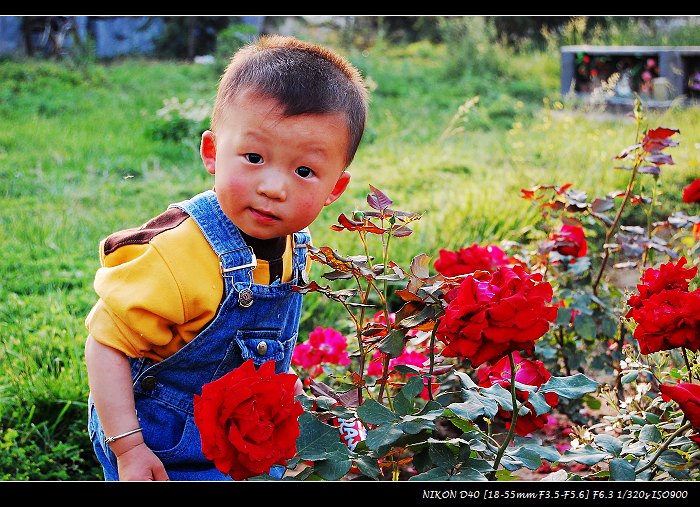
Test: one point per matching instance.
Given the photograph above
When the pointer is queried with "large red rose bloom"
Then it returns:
(489, 315)
(248, 420)
(668, 320)
(667, 315)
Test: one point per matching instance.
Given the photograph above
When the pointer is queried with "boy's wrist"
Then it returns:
(126, 444)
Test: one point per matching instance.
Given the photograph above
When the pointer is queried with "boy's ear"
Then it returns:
(207, 150)
(339, 188)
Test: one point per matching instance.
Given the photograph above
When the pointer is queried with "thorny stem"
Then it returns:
(687, 364)
(560, 339)
(384, 296)
(645, 257)
(663, 447)
(358, 330)
(513, 420)
(611, 230)
(432, 358)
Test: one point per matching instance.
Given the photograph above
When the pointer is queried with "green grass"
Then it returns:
(76, 163)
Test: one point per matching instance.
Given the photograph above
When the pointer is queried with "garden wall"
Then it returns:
(659, 74)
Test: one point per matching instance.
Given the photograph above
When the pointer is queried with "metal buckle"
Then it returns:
(253, 264)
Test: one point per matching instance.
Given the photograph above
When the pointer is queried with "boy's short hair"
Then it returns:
(305, 78)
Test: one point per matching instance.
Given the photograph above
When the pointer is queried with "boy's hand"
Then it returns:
(140, 464)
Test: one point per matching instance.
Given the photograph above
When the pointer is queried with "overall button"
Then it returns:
(261, 348)
(149, 383)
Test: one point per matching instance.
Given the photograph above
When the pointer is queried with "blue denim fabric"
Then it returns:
(164, 391)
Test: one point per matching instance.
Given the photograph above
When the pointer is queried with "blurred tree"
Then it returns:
(189, 36)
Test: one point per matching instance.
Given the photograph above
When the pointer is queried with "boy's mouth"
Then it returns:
(263, 214)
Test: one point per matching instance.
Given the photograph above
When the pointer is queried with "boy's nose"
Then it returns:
(272, 187)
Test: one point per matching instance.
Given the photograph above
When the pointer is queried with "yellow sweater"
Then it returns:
(160, 284)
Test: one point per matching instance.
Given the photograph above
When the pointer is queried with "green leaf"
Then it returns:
(474, 406)
(673, 459)
(549, 453)
(609, 327)
(465, 380)
(415, 426)
(527, 457)
(650, 433)
(587, 455)
(479, 465)
(622, 470)
(591, 402)
(572, 387)
(500, 395)
(428, 312)
(316, 440)
(630, 376)
(609, 443)
(332, 469)
(405, 369)
(563, 316)
(403, 402)
(469, 474)
(383, 435)
(652, 418)
(442, 455)
(368, 466)
(434, 474)
(505, 475)
(392, 344)
(373, 412)
(539, 403)
(585, 326)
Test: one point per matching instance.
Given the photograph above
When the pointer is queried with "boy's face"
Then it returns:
(273, 174)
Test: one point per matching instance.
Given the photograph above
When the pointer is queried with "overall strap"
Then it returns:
(301, 240)
(237, 259)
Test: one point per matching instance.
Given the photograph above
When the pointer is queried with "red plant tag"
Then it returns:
(352, 432)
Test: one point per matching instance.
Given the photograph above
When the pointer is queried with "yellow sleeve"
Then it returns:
(155, 297)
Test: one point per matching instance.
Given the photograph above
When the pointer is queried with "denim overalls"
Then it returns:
(253, 321)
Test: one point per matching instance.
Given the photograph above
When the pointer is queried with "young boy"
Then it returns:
(207, 284)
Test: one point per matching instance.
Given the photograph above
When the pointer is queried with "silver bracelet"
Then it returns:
(109, 440)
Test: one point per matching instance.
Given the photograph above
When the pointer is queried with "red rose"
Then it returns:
(568, 240)
(691, 193)
(667, 315)
(467, 260)
(688, 398)
(248, 420)
(489, 315)
(669, 276)
(668, 320)
(528, 372)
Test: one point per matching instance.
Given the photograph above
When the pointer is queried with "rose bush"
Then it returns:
(453, 372)
(248, 420)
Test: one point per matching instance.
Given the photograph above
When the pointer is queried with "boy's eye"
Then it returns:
(304, 171)
(253, 158)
